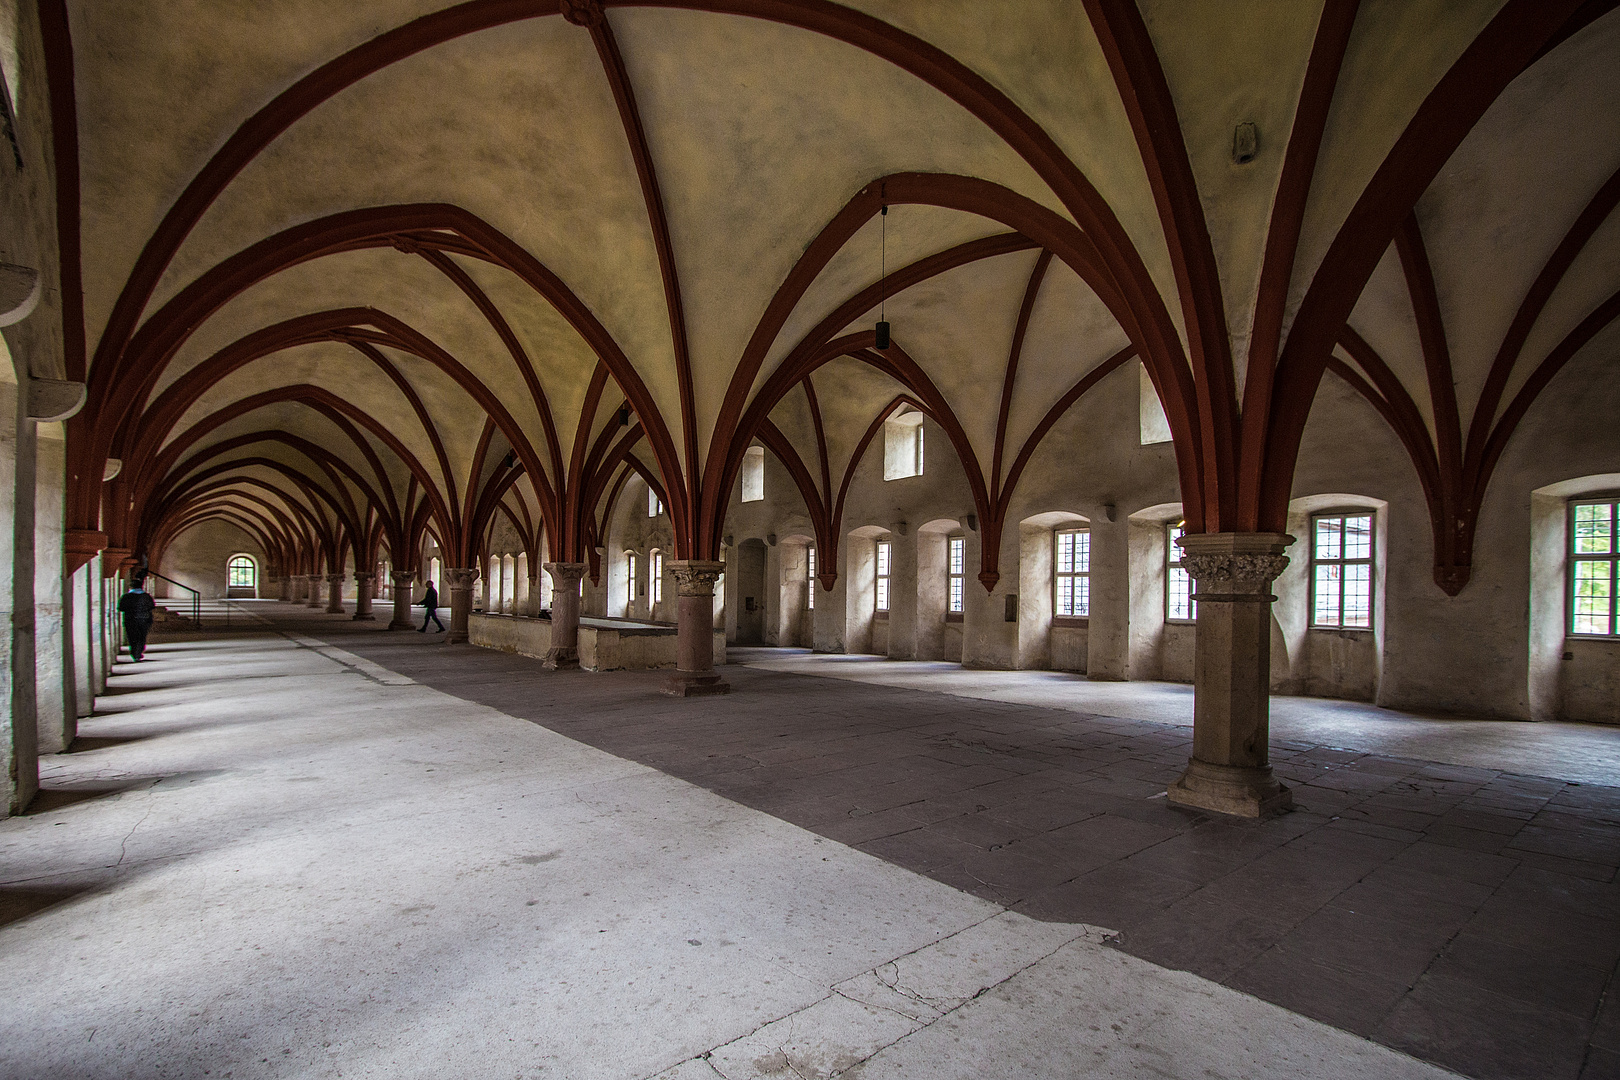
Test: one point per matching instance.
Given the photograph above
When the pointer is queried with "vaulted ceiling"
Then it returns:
(352, 272)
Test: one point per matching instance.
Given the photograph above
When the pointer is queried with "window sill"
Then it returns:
(1072, 622)
(953, 616)
(1181, 622)
(1352, 630)
(881, 616)
(1590, 637)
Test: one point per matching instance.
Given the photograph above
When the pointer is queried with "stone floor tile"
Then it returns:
(918, 849)
(1115, 895)
(1353, 940)
(1354, 1001)
(1601, 1064)
(1113, 835)
(1206, 935)
(1456, 862)
(1532, 975)
(1485, 1035)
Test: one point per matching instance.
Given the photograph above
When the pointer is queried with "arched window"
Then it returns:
(753, 474)
(241, 573)
(629, 584)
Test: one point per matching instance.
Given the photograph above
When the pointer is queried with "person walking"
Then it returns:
(431, 603)
(137, 606)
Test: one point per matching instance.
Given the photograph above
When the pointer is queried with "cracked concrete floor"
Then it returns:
(278, 859)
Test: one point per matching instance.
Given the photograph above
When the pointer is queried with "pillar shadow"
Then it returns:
(18, 902)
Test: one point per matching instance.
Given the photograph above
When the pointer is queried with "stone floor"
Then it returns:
(432, 887)
(1466, 915)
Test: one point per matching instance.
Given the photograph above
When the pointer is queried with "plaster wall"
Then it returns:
(197, 559)
(53, 672)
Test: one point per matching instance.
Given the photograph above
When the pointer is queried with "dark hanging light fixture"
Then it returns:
(624, 416)
(883, 275)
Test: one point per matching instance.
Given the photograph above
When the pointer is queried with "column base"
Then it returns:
(397, 625)
(367, 617)
(1242, 791)
(696, 684)
(560, 659)
(453, 637)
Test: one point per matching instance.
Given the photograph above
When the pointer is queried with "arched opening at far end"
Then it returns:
(241, 577)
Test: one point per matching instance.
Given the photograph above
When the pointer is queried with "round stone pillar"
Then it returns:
(314, 599)
(460, 580)
(565, 579)
(404, 581)
(694, 629)
(334, 594)
(1230, 769)
(363, 584)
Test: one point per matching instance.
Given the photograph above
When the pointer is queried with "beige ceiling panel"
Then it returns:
(1397, 53)
(1044, 56)
(1070, 333)
(1240, 61)
(1503, 203)
(184, 75)
(761, 133)
(1383, 317)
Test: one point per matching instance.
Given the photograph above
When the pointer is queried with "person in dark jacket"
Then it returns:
(137, 606)
(431, 603)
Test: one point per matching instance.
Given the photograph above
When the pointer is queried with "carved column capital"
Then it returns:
(1234, 566)
(402, 577)
(695, 577)
(334, 579)
(565, 573)
(460, 578)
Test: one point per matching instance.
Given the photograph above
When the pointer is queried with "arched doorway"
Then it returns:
(751, 592)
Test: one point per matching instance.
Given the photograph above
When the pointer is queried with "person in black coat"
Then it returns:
(137, 606)
(431, 603)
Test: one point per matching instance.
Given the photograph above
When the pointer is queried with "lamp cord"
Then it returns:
(883, 265)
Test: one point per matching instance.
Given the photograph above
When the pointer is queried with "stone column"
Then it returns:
(531, 604)
(565, 579)
(1230, 770)
(403, 581)
(334, 594)
(460, 580)
(314, 600)
(694, 619)
(363, 584)
(287, 588)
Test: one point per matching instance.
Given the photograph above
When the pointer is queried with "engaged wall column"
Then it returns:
(461, 589)
(1230, 769)
(403, 581)
(565, 579)
(694, 619)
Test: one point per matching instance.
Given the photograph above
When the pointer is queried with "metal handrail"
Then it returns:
(196, 597)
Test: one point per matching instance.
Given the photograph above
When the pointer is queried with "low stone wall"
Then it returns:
(604, 644)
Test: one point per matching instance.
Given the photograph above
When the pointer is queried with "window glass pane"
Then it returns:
(1326, 607)
(1327, 538)
(1063, 604)
(810, 573)
(1179, 595)
(1082, 552)
(1358, 537)
(956, 594)
(1593, 534)
(1065, 553)
(1082, 596)
(958, 548)
(1593, 600)
(883, 576)
(1358, 596)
